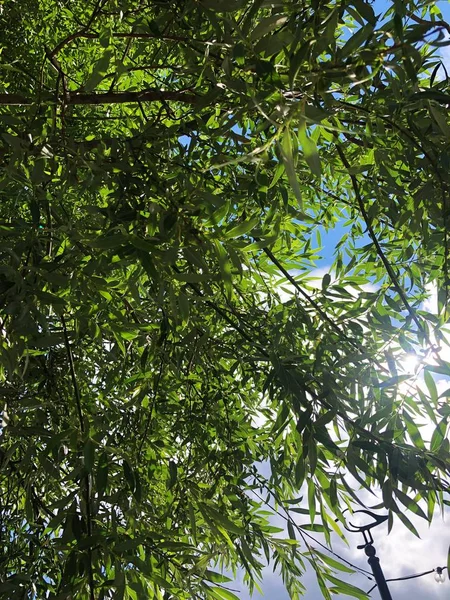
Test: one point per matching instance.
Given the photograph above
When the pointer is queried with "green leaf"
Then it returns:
(225, 267)
(192, 277)
(173, 473)
(342, 587)
(312, 455)
(365, 10)
(429, 381)
(183, 303)
(193, 522)
(326, 281)
(223, 5)
(216, 577)
(221, 519)
(407, 523)
(267, 25)
(129, 475)
(102, 474)
(99, 71)
(108, 242)
(356, 40)
(443, 369)
(439, 435)
(278, 173)
(242, 228)
(413, 431)
(441, 119)
(331, 562)
(288, 160)
(309, 150)
(49, 467)
(410, 504)
(219, 215)
(387, 493)
(145, 244)
(222, 594)
(161, 582)
(322, 585)
(291, 531)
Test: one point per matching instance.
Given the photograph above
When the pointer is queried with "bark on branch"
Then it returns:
(74, 98)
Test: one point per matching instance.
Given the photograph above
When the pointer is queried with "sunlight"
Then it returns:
(409, 363)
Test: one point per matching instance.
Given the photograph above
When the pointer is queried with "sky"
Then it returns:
(400, 552)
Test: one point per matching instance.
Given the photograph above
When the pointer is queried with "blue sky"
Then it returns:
(400, 552)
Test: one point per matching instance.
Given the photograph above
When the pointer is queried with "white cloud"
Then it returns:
(431, 303)
(401, 554)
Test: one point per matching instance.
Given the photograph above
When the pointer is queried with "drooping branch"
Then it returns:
(73, 377)
(431, 24)
(138, 36)
(76, 98)
(317, 306)
(87, 482)
(387, 265)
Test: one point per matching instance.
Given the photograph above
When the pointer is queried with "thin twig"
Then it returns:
(148, 36)
(433, 24)
(288, 518)
(316, 305)
(76, 389)
(390, 271)
(444, 193)
(152, 406)
(87, 483)
(222, 313)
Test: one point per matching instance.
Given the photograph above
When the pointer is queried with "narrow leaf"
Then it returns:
(289, 165)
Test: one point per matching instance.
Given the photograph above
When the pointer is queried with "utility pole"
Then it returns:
(370, 551)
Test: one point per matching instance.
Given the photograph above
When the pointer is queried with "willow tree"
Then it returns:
(167, 169)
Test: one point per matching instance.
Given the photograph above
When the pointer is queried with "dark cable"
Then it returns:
(406, 577)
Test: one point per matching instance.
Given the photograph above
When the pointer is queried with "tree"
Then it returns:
(167, 170)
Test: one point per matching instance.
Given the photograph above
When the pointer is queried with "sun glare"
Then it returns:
(409, 363)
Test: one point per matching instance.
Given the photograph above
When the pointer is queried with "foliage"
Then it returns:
(168, 168)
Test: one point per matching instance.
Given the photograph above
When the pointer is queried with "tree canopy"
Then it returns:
(167, 171)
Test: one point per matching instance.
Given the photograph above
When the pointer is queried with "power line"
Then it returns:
(415, 576)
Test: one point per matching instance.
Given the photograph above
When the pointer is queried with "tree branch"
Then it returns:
(237, 327)
(432, 24)
(317, 306)
(138, 36)
(82, 429)
(390, 271)
(76, 389)
(76, 98)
